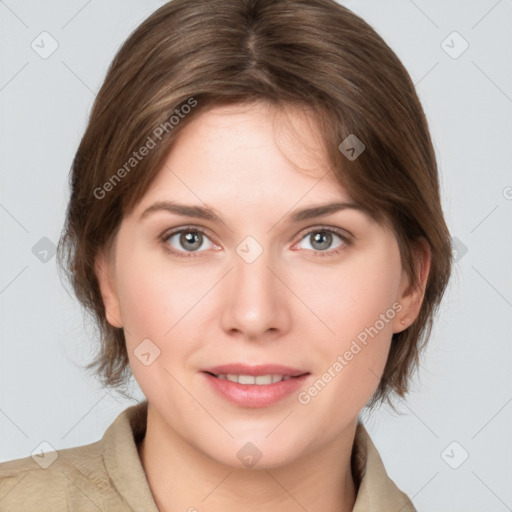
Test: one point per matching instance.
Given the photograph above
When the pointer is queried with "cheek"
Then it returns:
(145, 303)
(351, 360)
(355, 305)
(153, 295)
(154, 302)
(353, 296)
(160, 302)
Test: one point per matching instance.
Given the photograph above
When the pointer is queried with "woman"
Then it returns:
(284, 142)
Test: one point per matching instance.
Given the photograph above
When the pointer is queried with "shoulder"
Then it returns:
(53, 480)
(104, 475)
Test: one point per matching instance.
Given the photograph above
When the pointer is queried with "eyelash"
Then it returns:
(347, 241)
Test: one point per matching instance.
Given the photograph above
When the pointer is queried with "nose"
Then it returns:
(255, 302)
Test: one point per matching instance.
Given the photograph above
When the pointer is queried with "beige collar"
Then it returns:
(376, 491)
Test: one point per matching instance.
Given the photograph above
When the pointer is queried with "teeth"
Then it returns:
(248, 379)
(259, 380)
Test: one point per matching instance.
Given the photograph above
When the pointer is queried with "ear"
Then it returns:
(104, 273)
(410, 296)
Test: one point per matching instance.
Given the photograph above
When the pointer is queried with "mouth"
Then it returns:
(261, 374)
(255, 386)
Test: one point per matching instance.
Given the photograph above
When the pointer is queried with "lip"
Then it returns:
(255, 395)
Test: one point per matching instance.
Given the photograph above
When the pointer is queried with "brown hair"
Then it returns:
(191, 55)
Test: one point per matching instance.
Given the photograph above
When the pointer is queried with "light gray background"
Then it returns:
(463, 392)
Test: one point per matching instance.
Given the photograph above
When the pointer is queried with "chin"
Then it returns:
(253, 454)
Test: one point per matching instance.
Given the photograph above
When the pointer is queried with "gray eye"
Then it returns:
(189, 240)
(321, 240)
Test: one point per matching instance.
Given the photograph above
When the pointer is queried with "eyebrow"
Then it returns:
(200, 212)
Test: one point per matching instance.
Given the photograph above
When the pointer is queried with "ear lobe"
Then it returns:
(108, 290)
(410, 295)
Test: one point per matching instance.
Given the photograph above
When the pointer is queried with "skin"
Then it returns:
(288, 307)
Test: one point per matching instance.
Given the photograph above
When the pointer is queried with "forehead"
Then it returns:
(245, 154)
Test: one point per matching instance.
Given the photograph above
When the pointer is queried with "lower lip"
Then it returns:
(255, 395)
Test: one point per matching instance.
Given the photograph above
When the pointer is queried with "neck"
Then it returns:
(184, 478)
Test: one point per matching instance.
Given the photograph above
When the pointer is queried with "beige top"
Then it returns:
(108, 475)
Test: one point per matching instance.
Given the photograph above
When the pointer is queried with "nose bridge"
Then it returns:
(253, 279)
(254, 302)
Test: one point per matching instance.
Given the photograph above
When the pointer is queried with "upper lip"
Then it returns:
(261, 369)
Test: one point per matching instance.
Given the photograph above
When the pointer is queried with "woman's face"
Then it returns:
(320, 296)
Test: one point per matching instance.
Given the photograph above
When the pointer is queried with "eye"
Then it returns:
(188, 240)
(185, 242)
(321, 238)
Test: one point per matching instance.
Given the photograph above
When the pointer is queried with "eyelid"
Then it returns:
(178, 229)
(320, 227)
